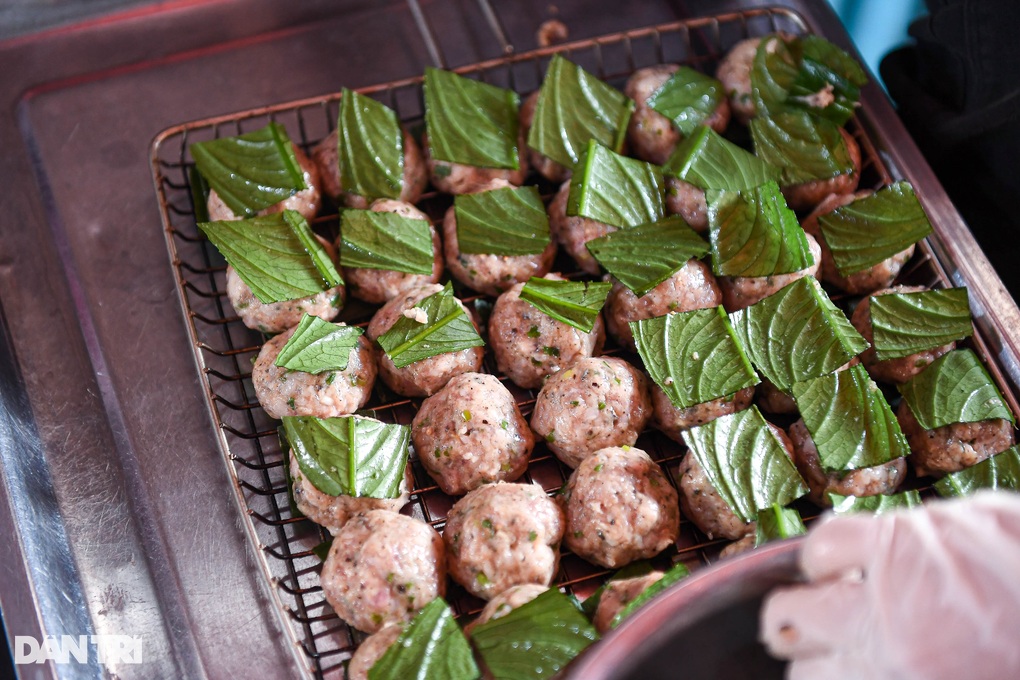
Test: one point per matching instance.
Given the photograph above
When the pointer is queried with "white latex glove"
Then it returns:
(930, 593)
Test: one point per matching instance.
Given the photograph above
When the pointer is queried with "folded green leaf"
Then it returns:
(849, 420)
(632, 570)
(447, 328)
(773, 72)
(693, 356)
(677, 573)
(643, 257)
(536, 640)
(777, 523)
(350, 455)
(955, 388)
(575, 107)
(370, 143)
(616, 190)
(829, 80)
(754, 233)
(907, 323)
(576, 303)
(252, 171)
(432, 647)
(318, 346)
(1001, 471)
(384, 240)
(321, 550)
(471, 122)
(708, 160)
(796, 334)
(869, 230)
(842, 505)
(510, 221)
(805, 148)
(199, 195)
(745, 462)
(688, 98)
(276, 255)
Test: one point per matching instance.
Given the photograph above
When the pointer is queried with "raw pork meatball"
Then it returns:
(457, 178)
(507, 601)
(275, 317)
(618, 594)
(807, 195)
(326, 155)
(471, 433)
(620, 507)
(690, 287)
(332, 512)
(371, 650)
(673, 421)
(868, 481)
(687, 201)
(377, 286)
(866, 281)
(573, 232)
(739, 546)
(307, 201)
(734, 72)
(382, 568)
(283, 392)
(503, 535)
(545, 166)
(529, 345)
(594, 404)
(491, 274)
(952, 448)
(427, 376)
(899, 370)
(743, 291)
(651, 135)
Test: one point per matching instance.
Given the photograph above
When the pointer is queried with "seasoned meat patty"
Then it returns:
(743, 291)
(573, 232)
(672, 421)
(687, 201)
(275, 317)
(457, 178)
(952, 448)
(545, 166)
(734, 72)
(307, 201)
(617, 594)
(371, 650)
(471, 433)
(807, 195)
(382, 568)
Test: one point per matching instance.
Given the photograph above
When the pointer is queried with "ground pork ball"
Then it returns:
(283, 392)
(306, 201)
(739, 292)
(504, 603)
(594, 404)
(457, 178)
(382, 568)
(332, 512)
(502, 535)
(739, 546)
(900, 370)
(426, 376)
(377, 286)
(672, 421)
(618, 594)
(371, 650)
(529, 345)
(690, 287)
(326, 155)
(734, 72)
(687, 201)
(954, 447)
(545, 166)
(867, 481)
(471, 433)
(275, 317)
(807, 195)
(573, 232)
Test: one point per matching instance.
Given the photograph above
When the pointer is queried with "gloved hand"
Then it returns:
(930, 593)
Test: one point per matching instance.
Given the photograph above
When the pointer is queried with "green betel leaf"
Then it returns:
(776, 523)
(907, 323)
(677, 573)
(638, 568)
(849, 420)
(370, 143)
(688, 98)
(805, 148)
(471, 122)
(773, 72)
(745, 462)
(536, 640)
(1001, 471)
(869, 230)
(796, 334)
(432, 647)
(616, 190)
(276, 255)
(643, 257)
(842, 505)
(510, 221)
(384, 240)
(829, 80)
(447, 328)
(754, 233)
(350, 455)
(576, 303)
(252, 171)
(575, 107)
(693, 356)
(708, 160)
(318, 346)
(955, 388)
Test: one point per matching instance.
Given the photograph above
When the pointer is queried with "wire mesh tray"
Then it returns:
(224, 348)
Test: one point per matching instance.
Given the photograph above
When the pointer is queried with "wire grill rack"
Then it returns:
(224, 348)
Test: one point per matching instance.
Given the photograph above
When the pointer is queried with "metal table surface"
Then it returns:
(114, 505)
